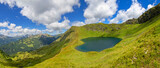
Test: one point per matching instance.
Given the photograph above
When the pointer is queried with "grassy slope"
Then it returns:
(146, 50)
(25, 59)
(137, 39)
(3, 60)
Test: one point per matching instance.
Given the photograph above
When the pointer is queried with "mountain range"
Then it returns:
(6, 39)
(28, 43)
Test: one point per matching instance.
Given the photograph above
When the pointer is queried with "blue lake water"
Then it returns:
(97, 44)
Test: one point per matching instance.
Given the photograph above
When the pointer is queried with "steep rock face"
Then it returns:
(151, 13)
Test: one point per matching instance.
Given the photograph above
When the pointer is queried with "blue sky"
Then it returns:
(77, 16)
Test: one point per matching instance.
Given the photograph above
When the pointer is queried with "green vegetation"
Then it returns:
(151, 13)
(5, 39)
(131, 21)
(28, 44)
(140, 47)
(130, 46)
(3, 60)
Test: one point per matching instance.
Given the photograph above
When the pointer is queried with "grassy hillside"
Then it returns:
(28, 44)
(3, 60)
(140, 42)
(70, 57)
(25, 59)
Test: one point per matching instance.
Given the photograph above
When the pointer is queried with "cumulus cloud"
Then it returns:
(13, 30)
(5, 24)
(12, 26)
(150, 6)
(78, 23)
(46, 12)
(134, 11)
(98, 10)
(59, 26)
(11, 3)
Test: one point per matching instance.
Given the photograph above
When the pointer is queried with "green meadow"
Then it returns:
(139, 47)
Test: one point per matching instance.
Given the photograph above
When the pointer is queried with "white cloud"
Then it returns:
(59, 26)
(150, 6)
(78, 23)
(4, 24)
(11, 3)
(4, 32)
(46, 12)
(98, 10)
(133, 12)
(12, 26)
(13, 30)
